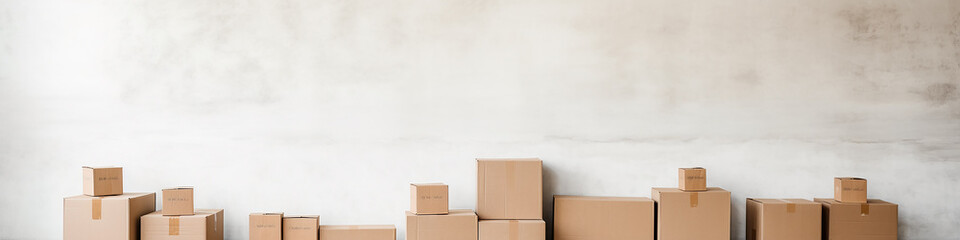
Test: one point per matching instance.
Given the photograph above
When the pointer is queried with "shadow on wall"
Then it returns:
(549, 189)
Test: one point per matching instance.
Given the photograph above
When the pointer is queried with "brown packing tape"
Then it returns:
(864, 209)
(174, 226)
(791, 207)
(96, 208)
(694, 199)
(514, 229)
(511, 184)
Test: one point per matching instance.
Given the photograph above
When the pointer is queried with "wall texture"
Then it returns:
(332, 107)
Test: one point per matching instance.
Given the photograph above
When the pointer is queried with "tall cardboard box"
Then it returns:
(301, 227)
(266, 226)
(358, 232)
(602, 218)
(106, 218)
(457, 225)
(783, 219)
(429, 198)
(874, 220)
(512, 230)
(693, 179)
(205, 224)
(102, 181)
(177, 201)
(510, 189)
(850, 189)
(692, 215)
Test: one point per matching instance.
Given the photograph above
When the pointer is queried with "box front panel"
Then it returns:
(89, 219)
(691, 215)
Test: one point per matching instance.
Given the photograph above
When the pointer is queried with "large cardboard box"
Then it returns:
(602, 218)
(693, 179)
(266, 226)
(301, 227)
(429, 198)
(692, 215)
(874, 220)
(106, 218)
(177, 201)
(102, 181)
(513, 230)
(850, 189)
(783, 219)
(510, 188)
(358, 232)
(457, 225)
(205, 224)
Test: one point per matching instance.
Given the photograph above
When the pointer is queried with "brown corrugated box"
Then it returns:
(692, 215)
(602, 218)
(106, 218)
(874, 220)
(512, 230)
(303, 227)
(205, 224)
(850, 189)
(783, 219)
(510, 188)
(102, 181)
(457, 225)
(693, 179)
(266, 226)
(358, 232)
(429, 198)
(177, 201)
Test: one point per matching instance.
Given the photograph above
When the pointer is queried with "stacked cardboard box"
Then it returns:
(304, 227)
(178, 219)
(510, 199)
(783, 219)
(105, 212)
(266, 226)
(430, 218)
(358, 232)
(692, 213)
(851, 215)
(602, 218)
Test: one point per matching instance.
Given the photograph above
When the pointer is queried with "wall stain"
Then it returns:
(872, 23)
(940, 93)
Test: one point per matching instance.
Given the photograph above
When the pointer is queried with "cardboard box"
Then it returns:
(106, 218)
(510, 189)
(429, 198)
(692, 215)
(874, 220)
(102, 181)
(513, 230)
(783, 219)
(602, 218)
(301, 227)
(358, 232)
(457, 225)
(177, 201)
(850, 189)
(693, 179)
(266, 226)
(206, 224)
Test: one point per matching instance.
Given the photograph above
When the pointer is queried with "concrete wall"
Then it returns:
(332, 107)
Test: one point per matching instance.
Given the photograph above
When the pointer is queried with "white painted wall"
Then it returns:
(332, 107)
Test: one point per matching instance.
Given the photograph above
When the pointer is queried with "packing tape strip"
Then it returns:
(511, 185)
(694, 199)
(96, 208)
(791, 207)
(174, 226)
(514, 229)
(864, 209)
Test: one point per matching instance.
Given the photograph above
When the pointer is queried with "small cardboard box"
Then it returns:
(692, 215)
(266, 226)
(874, 220)
(457, 225)
(102, 181)
(783, 219)
(693, 179)
(429, 198)
(301, 227)
(850, 189)
(177, 201)
(206, 224)
(358, 232)
(510, 189)
(106, 218)
(513, 230)
(608, 218)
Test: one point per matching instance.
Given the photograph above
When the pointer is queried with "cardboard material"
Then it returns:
(358, 232)
(102, 181)
(783, 219)
(106, 218)
(177, 201)
(874, 220)
(510, 189)
(850, 189)
(512, 230)
(693, 179)
(692, 215)
(429, 198)
(206, 224)
(301, 227)
(602, 218)
(266, 226)
(457, 225)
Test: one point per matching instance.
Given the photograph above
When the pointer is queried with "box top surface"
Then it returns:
(519, 221)
(102, 167)
(428, 184)
(121, 196)
(267, 214)
(179, 188)
(692, 168)
(199, 213)
(302, 216)
(347, 227)
(677, 190)
(831, 201)
(781, 200)
(508, 160)
(618, 199)
(851, 178)
(452, 212)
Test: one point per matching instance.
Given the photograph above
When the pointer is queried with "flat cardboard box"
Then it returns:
(510, 189)
(850, 189)
(513, 230)
(602, 218)
(206, 224)
(266, 226)
(693, 179)
(874, 220)
(358, 232)
(301, 227)
(106, 218)
(783, 219)
(177, 201)
(692, 215)
(429, 198)
(457, 225)
(102, 181)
